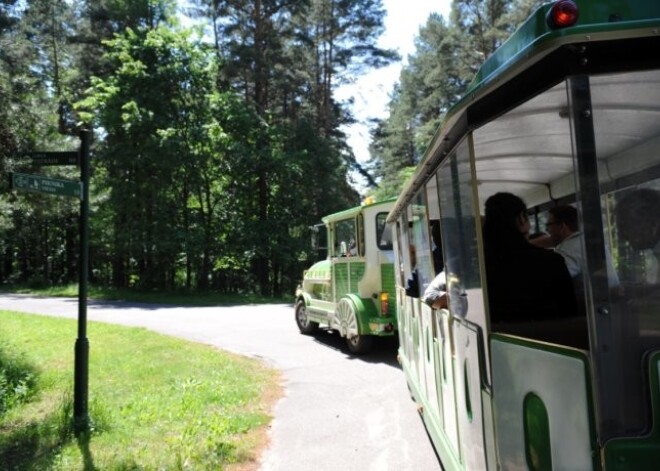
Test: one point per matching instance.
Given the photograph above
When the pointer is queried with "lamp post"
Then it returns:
(81, 367)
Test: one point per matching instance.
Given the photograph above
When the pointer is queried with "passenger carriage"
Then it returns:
(567, 111)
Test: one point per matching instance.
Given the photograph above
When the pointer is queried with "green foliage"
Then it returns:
(210, 161)
(390, 188)
(17, 378)
(165, 159)
(431, 83)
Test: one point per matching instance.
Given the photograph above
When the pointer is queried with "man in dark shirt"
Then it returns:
(524, 282)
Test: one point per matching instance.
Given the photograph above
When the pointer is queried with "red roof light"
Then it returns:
(563, 13)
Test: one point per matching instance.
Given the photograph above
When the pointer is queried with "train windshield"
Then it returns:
(345, 238)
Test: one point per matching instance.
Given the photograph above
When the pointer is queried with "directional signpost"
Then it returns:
(41, 184)
(80, 190)
(54, 158)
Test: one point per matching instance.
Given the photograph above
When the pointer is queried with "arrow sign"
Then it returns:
(40, 184)
(54, 158)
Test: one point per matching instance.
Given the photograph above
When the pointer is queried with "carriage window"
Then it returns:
(345, 243)
(459, 236)
(528, 151)
(400, 252)
(409, 268)
(434, 225)
(421, 239)
(627, 134)
(383, 232)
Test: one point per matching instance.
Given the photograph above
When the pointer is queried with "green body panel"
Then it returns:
(366, 313)
(346, 277)
(318, 295)
(319, 271)
(444, 448)
(639, 453)
(560, 377)
(316, 283)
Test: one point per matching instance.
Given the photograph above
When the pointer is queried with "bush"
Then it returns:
(17, 380)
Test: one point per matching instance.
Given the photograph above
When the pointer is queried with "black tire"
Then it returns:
(305, 326)
(360, 344)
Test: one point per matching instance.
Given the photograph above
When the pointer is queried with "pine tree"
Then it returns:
(446, 58)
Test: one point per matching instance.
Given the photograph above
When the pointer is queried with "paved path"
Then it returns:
(338, 412)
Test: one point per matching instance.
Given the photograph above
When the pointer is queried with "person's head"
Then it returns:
(638, 218)
(562, 222)
(506, 221)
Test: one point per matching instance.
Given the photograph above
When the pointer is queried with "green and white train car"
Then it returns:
(352, 291)
(567, 111)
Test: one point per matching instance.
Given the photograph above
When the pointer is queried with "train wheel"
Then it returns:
(359, 344)
(305, 326)
(348, 327)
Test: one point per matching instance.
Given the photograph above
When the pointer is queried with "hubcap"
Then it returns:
(347, 322)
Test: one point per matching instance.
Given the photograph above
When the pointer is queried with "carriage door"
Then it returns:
(460, 227)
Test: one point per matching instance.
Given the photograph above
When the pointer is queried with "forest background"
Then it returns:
(215, 147)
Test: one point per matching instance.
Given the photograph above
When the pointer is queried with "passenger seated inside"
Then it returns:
(435, 294)
(638, 223)
(352, 248)
(525, 282)
(566, 238)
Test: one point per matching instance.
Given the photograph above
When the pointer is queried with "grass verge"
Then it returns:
(155, 402)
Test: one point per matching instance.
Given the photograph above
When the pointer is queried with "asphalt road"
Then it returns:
(338, 412)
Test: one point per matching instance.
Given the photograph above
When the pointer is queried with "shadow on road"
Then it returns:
(121, 304)
(155, 306)
(384, 349)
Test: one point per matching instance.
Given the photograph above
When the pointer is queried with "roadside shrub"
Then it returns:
(17, 379)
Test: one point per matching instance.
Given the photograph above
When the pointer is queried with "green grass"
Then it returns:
(179, 298)
(155, 402)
